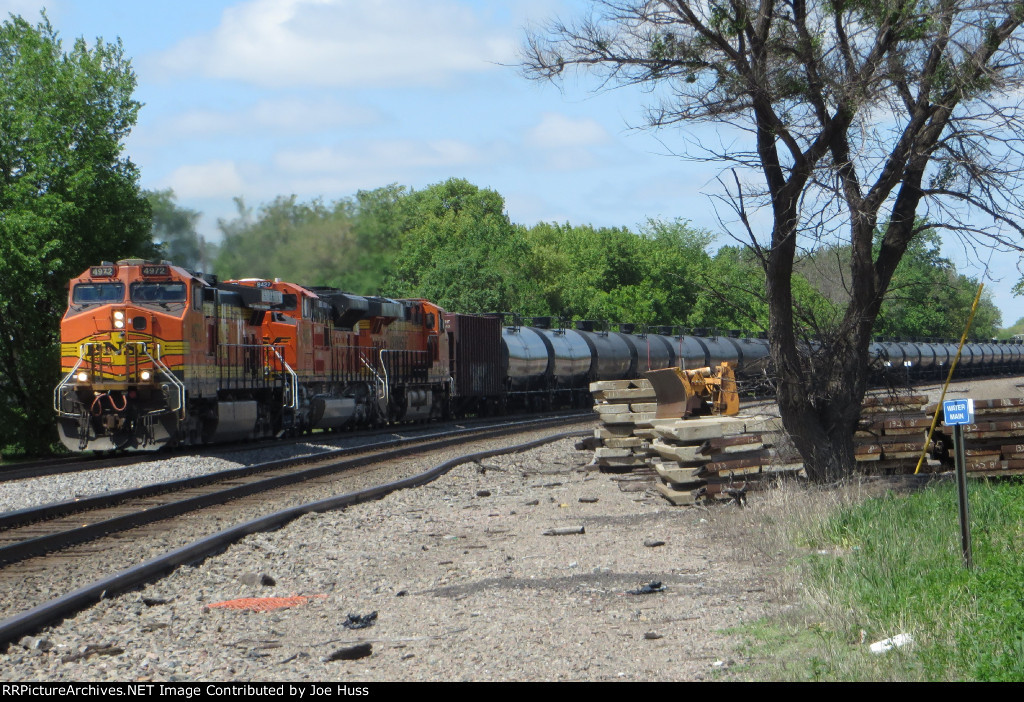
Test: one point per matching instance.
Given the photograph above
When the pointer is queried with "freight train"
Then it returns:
(154, 355)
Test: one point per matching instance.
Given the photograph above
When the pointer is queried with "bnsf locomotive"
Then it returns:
(154, 355)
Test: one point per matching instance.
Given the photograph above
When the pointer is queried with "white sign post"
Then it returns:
(959, 413)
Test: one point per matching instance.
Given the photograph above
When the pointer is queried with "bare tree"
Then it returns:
(858, 115)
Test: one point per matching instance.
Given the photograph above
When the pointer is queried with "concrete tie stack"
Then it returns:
(623, 406)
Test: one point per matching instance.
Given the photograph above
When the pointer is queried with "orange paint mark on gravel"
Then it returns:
(262, 604)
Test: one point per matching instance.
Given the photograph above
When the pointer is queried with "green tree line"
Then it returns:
(453, 243)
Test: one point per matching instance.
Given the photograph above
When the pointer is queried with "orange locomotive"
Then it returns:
(154, 355)
(353, 358)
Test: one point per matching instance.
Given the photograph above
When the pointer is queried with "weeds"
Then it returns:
(868, 569)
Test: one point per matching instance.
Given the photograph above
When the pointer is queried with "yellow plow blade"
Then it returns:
(684, 393)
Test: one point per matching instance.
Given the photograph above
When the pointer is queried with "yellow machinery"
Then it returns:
(684, 393)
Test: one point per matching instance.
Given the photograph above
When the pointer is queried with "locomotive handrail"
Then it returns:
(56, 391)
(142, 346)
(180, 409)
(384, 366)
(387, 385)
(369, 367)
(293, 376)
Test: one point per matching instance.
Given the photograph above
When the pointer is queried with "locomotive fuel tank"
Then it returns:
(235, 421)
(331, 412)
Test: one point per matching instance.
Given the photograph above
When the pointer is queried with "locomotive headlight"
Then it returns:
(145, 375)
(118, 319)
(83, 377)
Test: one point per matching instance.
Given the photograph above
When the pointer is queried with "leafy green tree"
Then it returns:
(582, 270)
(732, 293)
(1012, 331)
(379, 216)
(616, 275)
(928, 298)
(68, 198)
(458, 248)
(310, 243)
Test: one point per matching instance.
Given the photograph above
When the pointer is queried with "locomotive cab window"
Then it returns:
(97, 293)
(158, 294)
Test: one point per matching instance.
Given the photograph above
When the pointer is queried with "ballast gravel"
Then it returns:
(38, 581)
(464, 583)
(34, 492)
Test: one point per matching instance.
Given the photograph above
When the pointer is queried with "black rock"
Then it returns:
(360, 621)
(351, 653)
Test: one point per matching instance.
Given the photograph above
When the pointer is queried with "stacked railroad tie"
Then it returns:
(994, 444)
(722, 458)
(716, 458)
(892, 433)
(624, 406)
(688, 459)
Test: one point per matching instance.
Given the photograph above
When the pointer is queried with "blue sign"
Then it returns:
(957, 412)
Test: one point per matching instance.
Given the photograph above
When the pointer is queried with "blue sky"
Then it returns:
(321, 98)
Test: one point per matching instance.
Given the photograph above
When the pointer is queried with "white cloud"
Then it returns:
(343, 43)
(284, 114)
(559, 131)
(213, 179)
(378, 156)
(301, 114)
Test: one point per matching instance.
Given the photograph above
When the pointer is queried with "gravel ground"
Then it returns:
(38, 581)
(465, 586)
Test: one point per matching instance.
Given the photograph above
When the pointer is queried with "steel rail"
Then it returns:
(72, 464)
(12, 628)
(327, 464)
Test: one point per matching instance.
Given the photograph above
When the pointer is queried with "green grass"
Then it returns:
(893, 564)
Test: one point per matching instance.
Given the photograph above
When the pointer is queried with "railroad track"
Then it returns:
(24, 470)
(38, 530)
(125, 535)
